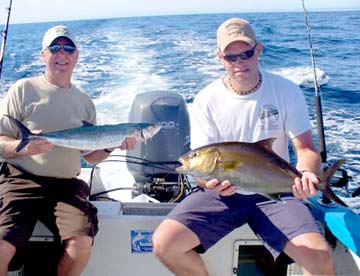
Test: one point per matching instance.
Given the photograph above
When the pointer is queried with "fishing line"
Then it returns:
(149, 162)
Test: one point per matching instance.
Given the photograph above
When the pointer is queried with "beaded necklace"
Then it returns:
(246, 92)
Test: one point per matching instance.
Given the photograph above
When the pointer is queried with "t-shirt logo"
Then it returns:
(269, 117)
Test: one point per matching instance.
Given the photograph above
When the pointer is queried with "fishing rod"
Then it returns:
(4, 35)
(318, 106)
(343, 179)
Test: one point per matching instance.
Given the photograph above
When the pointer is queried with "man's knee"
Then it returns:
(79, 246)
(164, 242)
(172, 239)
(159, 247)
(310, 250)
(324, 256)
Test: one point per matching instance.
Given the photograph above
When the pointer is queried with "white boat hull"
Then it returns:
(123, 245)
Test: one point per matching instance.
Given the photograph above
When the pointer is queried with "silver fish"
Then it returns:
(252, 167)
(90, 137)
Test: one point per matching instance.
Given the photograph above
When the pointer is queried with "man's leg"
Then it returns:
(202, 218)
(173, 245)
(311, 251)
(75, 230)
(76, 255)
(7, 251)
(290, 227)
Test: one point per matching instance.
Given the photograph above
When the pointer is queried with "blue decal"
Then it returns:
(141, 241)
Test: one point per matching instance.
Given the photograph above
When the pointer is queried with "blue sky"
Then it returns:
(25, 11)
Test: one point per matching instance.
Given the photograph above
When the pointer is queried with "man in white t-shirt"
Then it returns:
(247, 105)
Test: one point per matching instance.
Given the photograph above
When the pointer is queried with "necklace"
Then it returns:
(248, 91)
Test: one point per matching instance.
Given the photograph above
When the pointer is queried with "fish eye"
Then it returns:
(194, 154)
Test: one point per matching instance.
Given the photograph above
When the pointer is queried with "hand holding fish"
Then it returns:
(224, 188)
(97, 156)
(128, 144)
(36, 147)
(32, 148)
(305, 186)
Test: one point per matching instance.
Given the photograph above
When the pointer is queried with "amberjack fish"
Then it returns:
(252, 167)
(90, 137)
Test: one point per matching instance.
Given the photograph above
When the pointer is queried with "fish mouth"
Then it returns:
(157, 128)
(150, 131)
(180, 169)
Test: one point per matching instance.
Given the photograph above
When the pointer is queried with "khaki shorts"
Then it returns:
(26, 198)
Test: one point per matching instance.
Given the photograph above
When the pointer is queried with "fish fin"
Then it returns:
(324, 184)
(86, 124)
(25, 133)
(266, 143)
(274, 197)
(230, 165)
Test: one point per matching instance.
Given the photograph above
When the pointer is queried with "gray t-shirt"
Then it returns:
(40, 105)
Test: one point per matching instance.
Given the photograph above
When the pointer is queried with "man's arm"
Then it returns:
(8, 147)
(308, 163)
(97, 156)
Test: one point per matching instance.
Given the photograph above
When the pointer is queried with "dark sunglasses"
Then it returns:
(57, 47)
(244, 56)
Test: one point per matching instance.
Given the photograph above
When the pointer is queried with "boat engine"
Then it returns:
(152, 163)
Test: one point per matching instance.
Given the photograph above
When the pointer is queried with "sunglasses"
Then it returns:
(57, 47)
(244, 56)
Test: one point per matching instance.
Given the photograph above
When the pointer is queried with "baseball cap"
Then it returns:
(56, 32)
(235, 29)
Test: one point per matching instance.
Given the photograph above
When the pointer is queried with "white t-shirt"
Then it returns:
(276, 110)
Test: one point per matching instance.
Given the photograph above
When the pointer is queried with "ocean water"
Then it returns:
(122, 57)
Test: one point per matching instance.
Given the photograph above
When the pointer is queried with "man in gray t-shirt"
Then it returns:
(40, 181)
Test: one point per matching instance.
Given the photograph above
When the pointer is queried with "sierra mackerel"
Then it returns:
(90, 137)
(253, 167)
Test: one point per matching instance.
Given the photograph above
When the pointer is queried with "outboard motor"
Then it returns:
(155, 176)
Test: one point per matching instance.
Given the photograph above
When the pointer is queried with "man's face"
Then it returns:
(241, 60)
(60, 61)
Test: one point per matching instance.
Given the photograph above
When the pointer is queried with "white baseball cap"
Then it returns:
(56, 32)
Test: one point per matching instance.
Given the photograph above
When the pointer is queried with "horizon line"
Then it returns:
(178, 14)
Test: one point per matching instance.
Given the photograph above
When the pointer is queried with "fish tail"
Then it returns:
(25, 133)
(325, 179)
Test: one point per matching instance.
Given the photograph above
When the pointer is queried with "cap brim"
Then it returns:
(245, 39)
